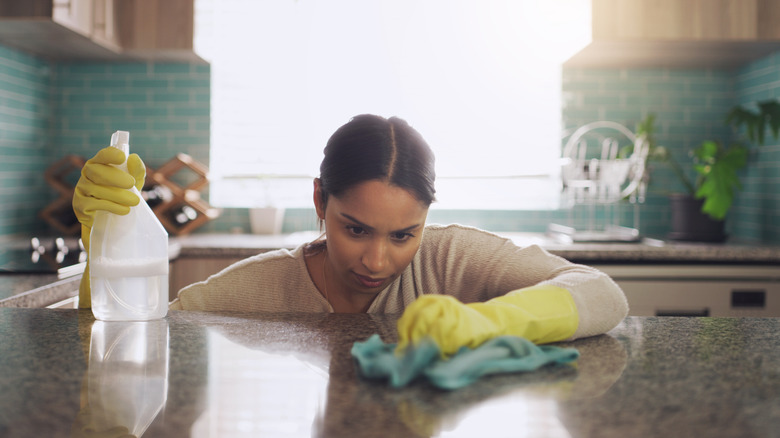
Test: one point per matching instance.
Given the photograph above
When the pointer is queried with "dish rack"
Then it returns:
(603, 165)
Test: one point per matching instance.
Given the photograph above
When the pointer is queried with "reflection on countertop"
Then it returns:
(207, 374)
(126, 379)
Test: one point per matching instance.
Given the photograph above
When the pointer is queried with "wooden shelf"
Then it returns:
(59, 213)
(187, 196)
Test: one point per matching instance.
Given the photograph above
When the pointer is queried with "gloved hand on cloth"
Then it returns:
(104, 186)
(453, 344)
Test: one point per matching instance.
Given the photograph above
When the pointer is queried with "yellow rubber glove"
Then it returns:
(541, 314)
(104, 187)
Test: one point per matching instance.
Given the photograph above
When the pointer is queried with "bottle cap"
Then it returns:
(121, 140)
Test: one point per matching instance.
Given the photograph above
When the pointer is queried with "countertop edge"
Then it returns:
(45, 295)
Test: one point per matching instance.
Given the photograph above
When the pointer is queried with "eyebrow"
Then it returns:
(370, 228)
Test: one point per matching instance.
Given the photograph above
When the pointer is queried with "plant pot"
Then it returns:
(690, 224)
(266, 220)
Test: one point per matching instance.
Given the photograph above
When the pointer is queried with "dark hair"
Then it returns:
(370, 147)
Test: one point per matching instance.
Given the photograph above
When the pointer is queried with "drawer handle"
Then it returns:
(672, 312)
(748, 298)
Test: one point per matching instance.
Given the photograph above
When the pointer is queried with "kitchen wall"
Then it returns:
(24, 140)
(758, 205)
(690, 106)
(49, 110)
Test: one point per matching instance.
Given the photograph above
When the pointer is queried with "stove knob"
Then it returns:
(60, 246)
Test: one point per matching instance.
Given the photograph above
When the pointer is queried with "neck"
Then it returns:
(342, 302)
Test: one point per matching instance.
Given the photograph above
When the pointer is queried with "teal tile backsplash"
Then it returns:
(164, 107)
(24, 140)
(758, 206)
(690, 106)
(49, 110)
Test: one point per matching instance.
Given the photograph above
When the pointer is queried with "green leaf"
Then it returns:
(771, 111)
(755, 123)
(720, 181)
(706, 152)
(647, 126)
(739, 116)
(702, 169)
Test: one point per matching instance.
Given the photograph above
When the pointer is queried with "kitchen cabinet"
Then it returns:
(60, 29)
(157, 29)
(75, 15)
(100, 30)
(676, 33)
(187, 270)
(104, 29)
(731, 290)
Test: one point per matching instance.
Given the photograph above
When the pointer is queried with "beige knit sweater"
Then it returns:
(467, 263)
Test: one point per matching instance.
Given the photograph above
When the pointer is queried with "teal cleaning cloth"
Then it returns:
(503, 354)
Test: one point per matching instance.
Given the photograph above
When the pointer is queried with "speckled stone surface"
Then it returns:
(36, 290)
(292, 375)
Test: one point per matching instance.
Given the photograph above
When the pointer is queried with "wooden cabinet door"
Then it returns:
(684, 20)
(104, 27)
(188, 270)
(76, 15)
(156, 24)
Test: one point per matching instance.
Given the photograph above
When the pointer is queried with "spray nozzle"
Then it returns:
(121, 140)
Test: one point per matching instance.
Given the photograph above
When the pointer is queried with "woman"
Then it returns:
(375, 186)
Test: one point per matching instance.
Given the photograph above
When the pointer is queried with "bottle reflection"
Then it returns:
(127, 379)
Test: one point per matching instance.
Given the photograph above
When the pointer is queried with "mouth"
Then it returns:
(370, 283)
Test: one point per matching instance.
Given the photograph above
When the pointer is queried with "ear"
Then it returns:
(319, 205)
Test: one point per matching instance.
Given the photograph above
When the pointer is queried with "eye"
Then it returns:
(355, 230)
(401, 237)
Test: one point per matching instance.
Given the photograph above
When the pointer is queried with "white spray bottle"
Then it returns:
(128, 260)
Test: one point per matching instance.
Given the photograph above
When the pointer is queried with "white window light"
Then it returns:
(480, 79)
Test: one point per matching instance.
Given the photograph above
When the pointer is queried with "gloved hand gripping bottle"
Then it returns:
(128, 260)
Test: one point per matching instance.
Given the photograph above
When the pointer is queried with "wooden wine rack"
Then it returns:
(59, 213)
(182, 196)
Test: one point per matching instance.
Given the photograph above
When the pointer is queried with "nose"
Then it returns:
(375, 257)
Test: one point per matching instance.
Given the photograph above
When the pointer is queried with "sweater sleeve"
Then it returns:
(601, 304)
(481, 265)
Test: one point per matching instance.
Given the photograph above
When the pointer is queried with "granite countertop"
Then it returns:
(36, 290)
(44, 289)
(202, 374)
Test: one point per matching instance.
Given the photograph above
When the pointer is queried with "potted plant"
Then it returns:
(698, 214)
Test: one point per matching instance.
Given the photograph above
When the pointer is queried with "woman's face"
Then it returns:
(373, 231)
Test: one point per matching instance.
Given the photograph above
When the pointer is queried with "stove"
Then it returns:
(64, 256)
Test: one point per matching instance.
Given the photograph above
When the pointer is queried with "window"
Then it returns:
(480, 79)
